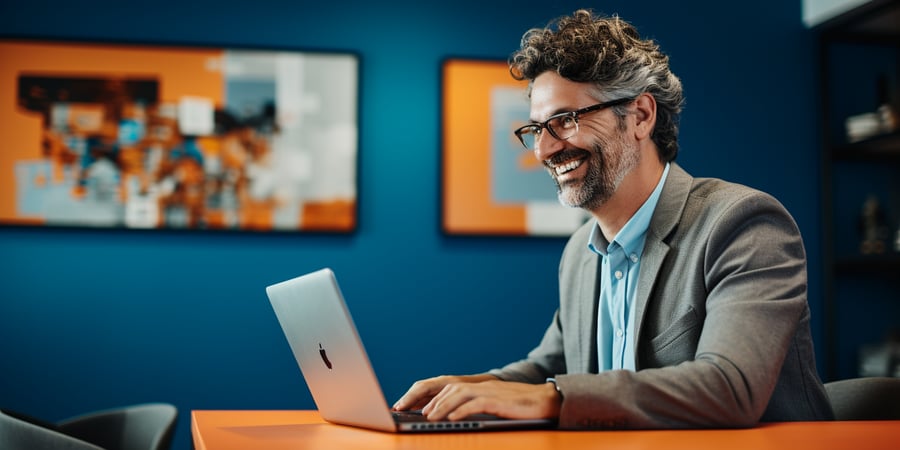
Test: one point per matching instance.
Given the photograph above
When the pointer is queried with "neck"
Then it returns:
(635, 189)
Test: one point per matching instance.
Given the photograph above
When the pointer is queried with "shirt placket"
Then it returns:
(618, 267)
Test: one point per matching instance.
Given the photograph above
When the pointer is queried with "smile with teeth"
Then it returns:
(567, 167)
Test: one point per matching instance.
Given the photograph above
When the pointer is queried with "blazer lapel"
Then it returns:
(666, 216)
(587, 333)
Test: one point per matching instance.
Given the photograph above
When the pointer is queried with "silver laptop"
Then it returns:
(324, 340)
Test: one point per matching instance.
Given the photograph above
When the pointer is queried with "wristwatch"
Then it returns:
(556, 385)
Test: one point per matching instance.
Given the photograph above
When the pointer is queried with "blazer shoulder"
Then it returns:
(720, 195)
(687, 201)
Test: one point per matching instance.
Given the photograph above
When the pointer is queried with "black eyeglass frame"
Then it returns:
(545, 125)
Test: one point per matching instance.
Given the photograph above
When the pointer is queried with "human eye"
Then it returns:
(565, 122)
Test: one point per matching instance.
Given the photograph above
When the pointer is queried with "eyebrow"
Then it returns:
(557, 111)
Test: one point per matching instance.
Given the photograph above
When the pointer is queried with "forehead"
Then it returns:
(552, 94)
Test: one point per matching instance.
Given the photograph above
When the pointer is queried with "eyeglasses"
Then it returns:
(561, 126)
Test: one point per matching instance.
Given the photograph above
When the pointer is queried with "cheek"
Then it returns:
(592, 134)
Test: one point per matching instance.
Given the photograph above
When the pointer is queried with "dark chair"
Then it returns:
(138, 427)
(867, 398)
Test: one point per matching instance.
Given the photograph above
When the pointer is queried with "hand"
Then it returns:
(500, 398)
(423, 391)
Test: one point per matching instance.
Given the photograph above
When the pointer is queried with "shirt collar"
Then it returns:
(631, 236)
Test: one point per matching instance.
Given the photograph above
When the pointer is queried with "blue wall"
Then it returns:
(91, 319)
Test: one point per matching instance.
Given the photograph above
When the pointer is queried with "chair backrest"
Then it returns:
(19, 434)
(139, 427)
(867, 398)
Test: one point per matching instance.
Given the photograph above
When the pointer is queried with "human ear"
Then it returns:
(644, 116)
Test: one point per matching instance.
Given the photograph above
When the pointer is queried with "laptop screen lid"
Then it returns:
(321, 333)
(326, 345)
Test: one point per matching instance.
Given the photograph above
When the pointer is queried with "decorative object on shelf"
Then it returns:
(884, 120)
(173, 137)
(887, 118)
(887, 113)
(863, 126)
(881, 359)
(873, 226)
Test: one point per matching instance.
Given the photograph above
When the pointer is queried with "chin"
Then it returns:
(577, 198)
(572, 199)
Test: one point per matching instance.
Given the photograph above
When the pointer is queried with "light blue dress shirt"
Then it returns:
(619, 269)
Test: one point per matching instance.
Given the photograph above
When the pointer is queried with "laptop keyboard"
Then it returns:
(408, 416)
(420, 422)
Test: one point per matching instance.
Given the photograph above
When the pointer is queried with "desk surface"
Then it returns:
(217, 430)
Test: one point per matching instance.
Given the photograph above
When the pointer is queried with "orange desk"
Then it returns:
(218, 430)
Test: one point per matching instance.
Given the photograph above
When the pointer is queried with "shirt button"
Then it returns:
(634, 258)
(618, 274)
(619, 333)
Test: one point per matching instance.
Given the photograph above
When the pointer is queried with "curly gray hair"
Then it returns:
(608, 52)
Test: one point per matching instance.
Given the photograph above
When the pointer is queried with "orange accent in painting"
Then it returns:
(338, 215)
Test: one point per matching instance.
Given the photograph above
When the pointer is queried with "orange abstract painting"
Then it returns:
(139, 136)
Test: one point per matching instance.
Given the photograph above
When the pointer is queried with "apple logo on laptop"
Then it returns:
(324, 356)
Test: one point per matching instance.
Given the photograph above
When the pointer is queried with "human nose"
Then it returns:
(546, 145)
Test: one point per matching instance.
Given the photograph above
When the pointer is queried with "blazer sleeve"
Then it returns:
(546, 360)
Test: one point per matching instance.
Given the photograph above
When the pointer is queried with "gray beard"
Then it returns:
(606, 170)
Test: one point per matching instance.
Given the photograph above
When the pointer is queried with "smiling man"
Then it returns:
(683, 302)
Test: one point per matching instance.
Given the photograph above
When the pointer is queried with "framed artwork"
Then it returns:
(162, 137)
(491, 184)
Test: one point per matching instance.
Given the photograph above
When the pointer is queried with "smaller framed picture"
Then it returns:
(491, 184)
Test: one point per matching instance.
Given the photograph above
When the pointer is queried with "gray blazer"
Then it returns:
(721, 318)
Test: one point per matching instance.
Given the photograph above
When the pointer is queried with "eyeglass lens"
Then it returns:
(561, 127)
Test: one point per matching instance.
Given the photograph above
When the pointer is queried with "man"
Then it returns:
(683, 302)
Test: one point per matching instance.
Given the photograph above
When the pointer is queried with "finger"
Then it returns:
(434, 400)
(411, 400)
(499, 399)
(478, 405)
(419, 394)
(448, 400)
